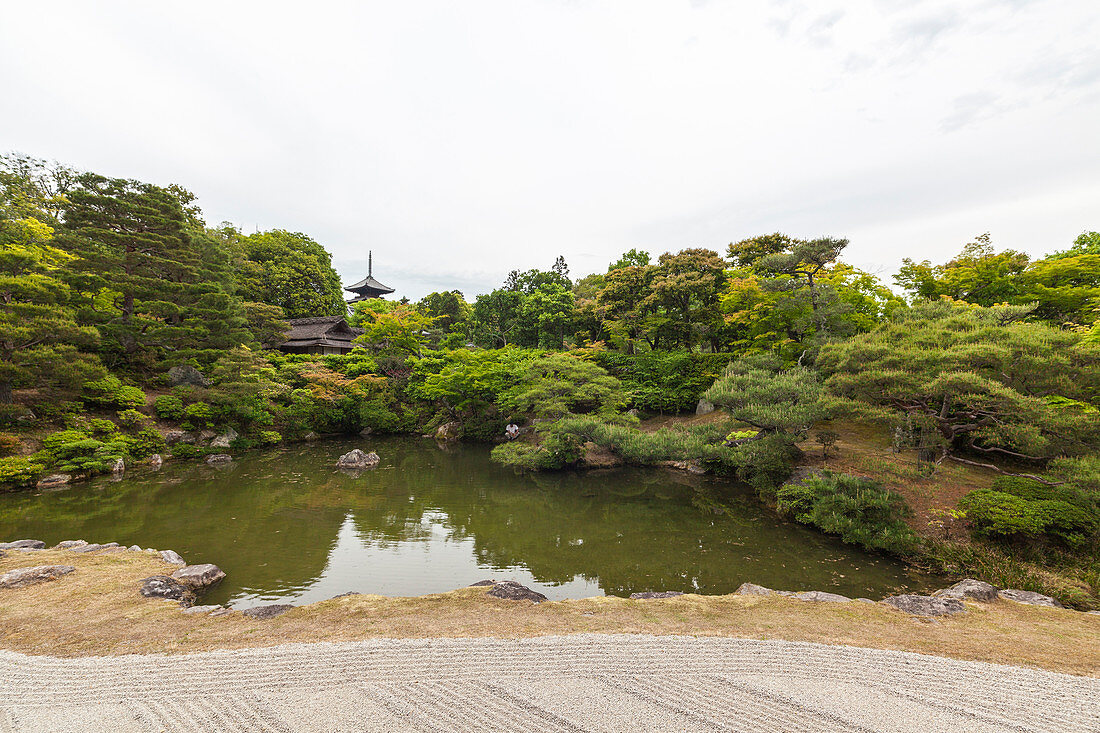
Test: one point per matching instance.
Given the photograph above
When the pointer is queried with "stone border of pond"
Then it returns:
(186, 585)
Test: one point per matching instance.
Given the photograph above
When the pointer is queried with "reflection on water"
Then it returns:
(285, 525)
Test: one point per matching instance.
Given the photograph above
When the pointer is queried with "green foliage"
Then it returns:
(663, 381)
(557, 385)
(269, 437)
(972, 380)
(1020, 509)
(764, 463)
(168, 407)
(18, 471)
(111, 392)
(289, 270)
(555, 452)
(392, 328)
(101, 426)
(132, 419)
(860, 510)
(754, 391)
(199, 414)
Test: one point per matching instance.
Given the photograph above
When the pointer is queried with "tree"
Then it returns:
(974, 381)
(758, 392)
(557, 385)
(290, 270)
(39, 335)
(394, 327)
(624, 305)
(684, 297)
(151, 281)
(449, 309)
(977, 275)
(631, 258)
(1086, 243)
(785, 264)
(33, 188)
(497, 316)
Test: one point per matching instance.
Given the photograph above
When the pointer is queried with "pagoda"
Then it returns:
(368, 287)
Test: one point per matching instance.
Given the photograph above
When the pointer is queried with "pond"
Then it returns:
(287, 526)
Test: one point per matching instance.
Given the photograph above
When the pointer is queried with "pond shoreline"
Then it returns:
(96, 609)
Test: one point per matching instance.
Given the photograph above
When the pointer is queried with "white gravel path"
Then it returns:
(568, 683)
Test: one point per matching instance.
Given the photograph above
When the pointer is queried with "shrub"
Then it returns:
(168, 407)
(186, 450)
(53, 442)
(199, 414)
(269, 437)
(766, 463)
(1022, 510)
(17, 471)
(9, 444)
(111, 392)
(860, 510)
(144, 443)
(102, 426)
(557, 451)
(132, 419)
(664, 381)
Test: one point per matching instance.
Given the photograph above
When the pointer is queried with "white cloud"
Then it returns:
(461, 140)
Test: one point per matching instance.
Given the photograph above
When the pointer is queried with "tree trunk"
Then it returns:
(5, 392)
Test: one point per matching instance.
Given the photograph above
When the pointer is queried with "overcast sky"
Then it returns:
(462, 139)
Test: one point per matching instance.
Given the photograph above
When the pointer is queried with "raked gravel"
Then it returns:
(587, 682)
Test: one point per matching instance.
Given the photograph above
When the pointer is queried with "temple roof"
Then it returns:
(368, 283)
(320, 331)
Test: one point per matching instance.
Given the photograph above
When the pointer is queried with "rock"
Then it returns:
(750, 589)
(358, 459)
(161, 586)
(186, 374)
(266, 612)
(54, 480)
(156, 461)
(119, 467)
(69, 544)
(510, 590)
(348, 593)
(22, 577)
(223, 611)
(172, 556)
(93, 547)
(23, 545)
(925, 605)
(134, 548)
(969, 589)
(448, 432)
(821, 597)
(201, 609)
(310, 436)
(219, 459)
(199, 576)
(645, 596)
(481, 583)
(365, 432)
(205, 435)
(1030, 598)
(223, 440)
(864, 600)
(704, 408)
(178, 436)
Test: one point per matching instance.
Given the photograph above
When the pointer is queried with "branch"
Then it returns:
(1005, 473)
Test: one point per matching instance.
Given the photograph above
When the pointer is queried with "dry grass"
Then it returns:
(97, 610)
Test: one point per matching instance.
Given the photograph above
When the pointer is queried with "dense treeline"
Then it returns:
(991, 359)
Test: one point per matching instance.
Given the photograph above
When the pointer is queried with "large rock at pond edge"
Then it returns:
(93, 547)
(119, 467)
(161, 586)
(969, 589)
(199, 576)
(53, 481)
(1029, 597)
(189, 375)
(69, 544)
(265, 612)
(510, 590)
(925, 605)
(650, 594)
(819, 596)
(751, 589)
(172, 556)
(223, 440)
(704, 408)
(178, 436)
(358, 459)
(156, 461)
(22, 577)
(219, 459)
(448, 432)
(23, 545)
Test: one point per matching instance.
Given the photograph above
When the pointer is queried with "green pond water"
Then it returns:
(287, 526)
